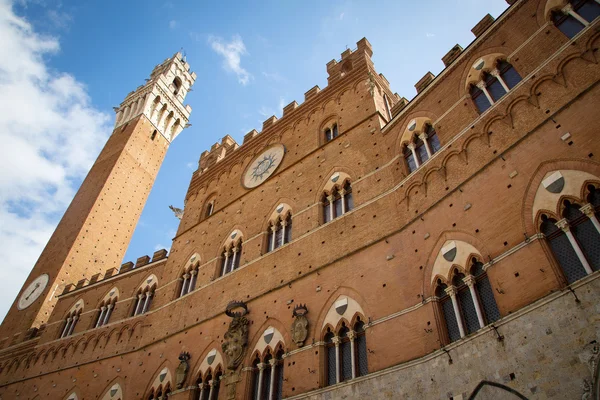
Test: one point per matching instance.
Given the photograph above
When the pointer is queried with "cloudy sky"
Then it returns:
(63, 66)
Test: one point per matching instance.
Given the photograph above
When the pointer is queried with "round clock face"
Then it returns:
(263, 166)
(33, 291)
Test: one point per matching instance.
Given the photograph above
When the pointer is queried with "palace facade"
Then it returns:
(362, 246)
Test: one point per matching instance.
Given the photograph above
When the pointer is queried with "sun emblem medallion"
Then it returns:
(263, 166)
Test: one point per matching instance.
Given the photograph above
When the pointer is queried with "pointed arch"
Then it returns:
(114, 390)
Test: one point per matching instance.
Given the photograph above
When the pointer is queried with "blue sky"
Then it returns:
(64, 65)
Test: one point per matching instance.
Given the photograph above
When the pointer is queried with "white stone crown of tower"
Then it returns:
(161, 98)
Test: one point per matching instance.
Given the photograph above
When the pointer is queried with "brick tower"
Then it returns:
(95, 231)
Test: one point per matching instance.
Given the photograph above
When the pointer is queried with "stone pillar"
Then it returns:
(107, 315)
(100, 317)
(224, 269)
(588, 210)
(352, 336)
(211, 384)
(331, 209)
(336, 341)
(234, 259)
(273, 231)
(138, 306)
(283, 224)
(563, 224)
(273, 363)
(343, 194)
(470, 281)
(182, 292)
(496, 74)
(73, 323)
(413, 150)
(145, 308)
(261, 368)
(66, 328)
(451, 290)
(568, 9)
(481, 85)
(193, 280)
(423, 137)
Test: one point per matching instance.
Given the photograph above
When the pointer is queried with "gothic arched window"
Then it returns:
(106, 310)
(267, 376)
(494, 85)
(189, 278)
(575, 16)
(345, 353)
(421, 148)
(70, 322)
(447, 309)
(176, 85)
(143, 301)
(331, 133)
(231, 257)
(279, 232)
(338, 202)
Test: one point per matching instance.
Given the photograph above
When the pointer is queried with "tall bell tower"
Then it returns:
(95, 231)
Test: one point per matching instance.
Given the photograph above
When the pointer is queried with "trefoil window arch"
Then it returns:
(331, 132)
(468, 304)
(494, 85)
(267, 375)
(70, 321)
(189, 279)
(209, 385)
(345, 353)
(106, 310)
(279, 232)
(339, 201)
(231, 257)
(423, 146)
(143, 300)
(575, 16)
(575, 239)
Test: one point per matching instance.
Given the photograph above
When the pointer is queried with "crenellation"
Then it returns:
(289, 108)
(452, 55)
(424, 81)
(311, 93)
(482, 25)
(125, 267)
(269, 122)
(250, 135)
(141, 261)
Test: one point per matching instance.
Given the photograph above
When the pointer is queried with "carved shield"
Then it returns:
(300, 330)
(236, 341)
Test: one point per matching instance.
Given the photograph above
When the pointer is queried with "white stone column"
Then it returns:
(182, 292)
(145, 308)
(336, 341)
(201, 386)
(588, 210)
(273, 234)
(193, 280)
(451, 290)
(470, 281)
(234, 258)
(564, 225)
(261, 367)
(413, 150)
(224, 270)
(66, 328)
(283, 224)
(352, 336)
(495, 73)
(100, 317)
(108, 313)
(568, 9)
(211, 384)
(138, 305)
(73, 323)
(343, 195)
(273, 363)
(331, 210)
(423, 137)
(481, 85)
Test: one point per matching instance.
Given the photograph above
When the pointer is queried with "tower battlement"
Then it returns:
(161, 98)
(337, 70)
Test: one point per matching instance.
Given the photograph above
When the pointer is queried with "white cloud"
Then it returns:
(341, 16)
(430, 35)
(173, 24)
(273, 76)
(232, 52)
(50, 136)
